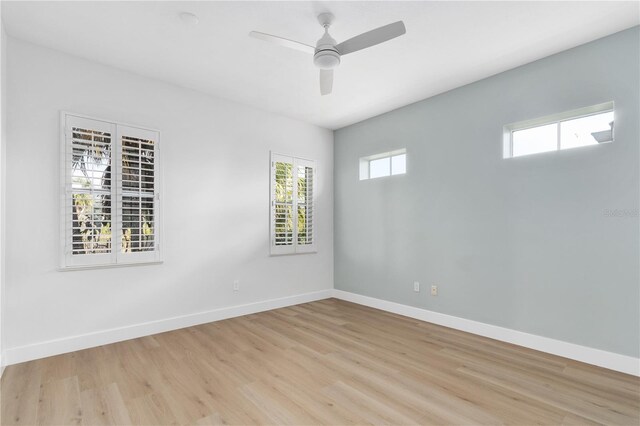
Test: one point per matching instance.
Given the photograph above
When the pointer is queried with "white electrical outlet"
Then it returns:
(236, 285)
(416, 286)
(434, 290)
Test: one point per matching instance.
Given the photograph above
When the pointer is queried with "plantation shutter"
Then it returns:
(88, 193)
(305, 237)
(138, 195)
(292, 205)
(111, 195)
(282, 196)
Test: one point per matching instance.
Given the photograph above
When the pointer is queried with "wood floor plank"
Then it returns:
(59, 402)
(544, 393)
(150, 409)
(20, 394)
(315, 403)
(103, 406)
(372, 410)
(327, 362)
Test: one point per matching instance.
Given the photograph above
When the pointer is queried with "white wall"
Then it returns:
(3, 128)
(216, 202)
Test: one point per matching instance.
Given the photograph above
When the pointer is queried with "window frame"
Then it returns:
(365, 163)
(70, 262)
(558, 119)
(295, 248)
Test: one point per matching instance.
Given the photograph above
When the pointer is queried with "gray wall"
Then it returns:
(522, 243)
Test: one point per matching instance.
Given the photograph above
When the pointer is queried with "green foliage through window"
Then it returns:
(292, 213)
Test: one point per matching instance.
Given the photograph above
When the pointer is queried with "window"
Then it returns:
(292, 205)
(111, 209)
(385, 164)
(582, 127)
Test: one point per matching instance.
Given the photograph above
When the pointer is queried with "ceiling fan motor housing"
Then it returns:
(327, 56)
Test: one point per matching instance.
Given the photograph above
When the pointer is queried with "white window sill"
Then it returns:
(293, 254)
(109, 266)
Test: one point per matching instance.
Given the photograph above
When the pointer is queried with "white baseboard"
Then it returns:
(84, 341)
(610, 360)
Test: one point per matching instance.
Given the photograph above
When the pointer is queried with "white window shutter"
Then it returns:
(88, 191)
(282, 205)
(138, 186)
(110, 202)
(305, 196)
(292, 209)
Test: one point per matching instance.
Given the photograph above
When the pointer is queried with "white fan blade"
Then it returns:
(371, 38)
(326, 82)
(283, 42)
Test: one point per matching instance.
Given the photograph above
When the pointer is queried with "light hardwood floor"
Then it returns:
(326, 362)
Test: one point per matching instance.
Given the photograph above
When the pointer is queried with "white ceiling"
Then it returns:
(447, 45)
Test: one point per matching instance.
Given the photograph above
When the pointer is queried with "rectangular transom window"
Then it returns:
(582, 127)
(384, 164)
(292, 205)
(111, 195)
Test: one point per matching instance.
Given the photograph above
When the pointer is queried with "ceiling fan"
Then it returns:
(327, 53)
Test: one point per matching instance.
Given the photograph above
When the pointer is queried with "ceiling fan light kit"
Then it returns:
(327, 54)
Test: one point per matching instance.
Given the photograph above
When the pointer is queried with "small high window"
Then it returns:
(582, 127)
(384, 164)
